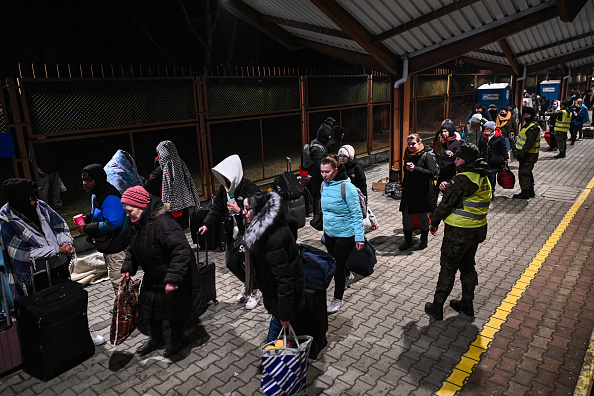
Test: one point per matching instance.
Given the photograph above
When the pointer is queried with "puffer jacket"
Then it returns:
(279, 270)
(342, 219)
(490, 149)
(160, 247)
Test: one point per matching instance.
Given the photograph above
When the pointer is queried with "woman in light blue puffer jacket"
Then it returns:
(343, 224)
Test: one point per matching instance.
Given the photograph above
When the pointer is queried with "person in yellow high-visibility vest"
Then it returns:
(562, 123)
(528, 147)
(463, 209)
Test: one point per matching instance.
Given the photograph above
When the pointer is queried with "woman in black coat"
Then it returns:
(354, 170)
(492, 149)
(170, 288)
(275, 259)
(418, 191)
(445, 148)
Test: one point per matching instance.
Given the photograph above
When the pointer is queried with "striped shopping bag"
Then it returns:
(284, 371)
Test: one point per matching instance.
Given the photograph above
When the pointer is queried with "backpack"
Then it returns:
(306, 160)
(318, 267)
(287, 186)
(362, 199)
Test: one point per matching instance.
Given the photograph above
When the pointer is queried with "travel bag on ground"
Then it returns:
(54, 329)
(362, 261)
(312, 320)
(10, 347)
(207, 272)
(318, 267)
(284, 371)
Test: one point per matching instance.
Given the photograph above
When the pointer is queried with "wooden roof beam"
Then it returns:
(254, 18)
(306, 26)
(558, 43)
(455, 6)
(498, 67)
(467, 42)
(569, 9)
(509, 54)
(559, 60)
(357, 32)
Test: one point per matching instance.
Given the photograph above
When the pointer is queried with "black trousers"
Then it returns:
(340, 249)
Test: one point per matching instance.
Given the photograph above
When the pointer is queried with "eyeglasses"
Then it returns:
(246, 209)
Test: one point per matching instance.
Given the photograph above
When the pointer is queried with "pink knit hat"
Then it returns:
(136, 196)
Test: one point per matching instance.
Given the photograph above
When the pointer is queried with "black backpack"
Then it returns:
(306, 161)
(287, 186)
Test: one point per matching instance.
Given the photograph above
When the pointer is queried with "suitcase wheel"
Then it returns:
(222, 246)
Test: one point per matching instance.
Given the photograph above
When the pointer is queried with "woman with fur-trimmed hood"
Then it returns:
(171, 289)
(275, 257)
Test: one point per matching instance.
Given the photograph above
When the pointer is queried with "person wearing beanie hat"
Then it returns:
(106, 226)
(353, 168)
(445, 146)
(528, 147)
(171, 287)
(474, 129)
(492, 149)
(493, 111)
(463, 209)
(491, 125)
(562, 124)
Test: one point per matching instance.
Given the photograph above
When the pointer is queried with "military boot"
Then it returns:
(463, 306)
(525, 194)
(408, 241)
(434, 310)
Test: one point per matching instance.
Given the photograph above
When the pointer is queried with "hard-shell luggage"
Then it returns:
(312, 320)
(54, 329)
(298, 211)
(207, 272)
(362, 261)
(10, 347)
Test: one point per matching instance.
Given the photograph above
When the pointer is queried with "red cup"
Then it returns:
(79, 220)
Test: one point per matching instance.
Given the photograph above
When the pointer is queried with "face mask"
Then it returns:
(488, 133)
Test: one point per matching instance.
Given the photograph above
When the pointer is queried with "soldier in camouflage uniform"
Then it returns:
(463, 209)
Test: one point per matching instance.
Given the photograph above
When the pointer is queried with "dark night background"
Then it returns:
(133, 32)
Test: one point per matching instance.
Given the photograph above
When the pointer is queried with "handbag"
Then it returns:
(506, 178)
(125, 311)
(370, 222)
(317, 222)
(362, 261)
(284, 370)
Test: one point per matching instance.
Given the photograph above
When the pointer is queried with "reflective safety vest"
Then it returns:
(473, 213)
(522, 139)
(563, 125)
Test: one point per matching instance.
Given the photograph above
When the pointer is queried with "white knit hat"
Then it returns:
(476, 117)
(347, 150)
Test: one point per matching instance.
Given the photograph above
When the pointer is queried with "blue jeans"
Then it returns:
(493, 179)
(507, 145)
(274, 329)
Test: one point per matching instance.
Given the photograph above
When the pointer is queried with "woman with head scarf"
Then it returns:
(171, 289)
(172, 181)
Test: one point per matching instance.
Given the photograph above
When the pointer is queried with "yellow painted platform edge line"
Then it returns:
(457, 377)
(585, 380)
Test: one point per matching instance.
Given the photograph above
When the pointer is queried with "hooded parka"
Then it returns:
(160, 247)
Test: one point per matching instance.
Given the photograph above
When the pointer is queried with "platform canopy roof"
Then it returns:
(502, 35)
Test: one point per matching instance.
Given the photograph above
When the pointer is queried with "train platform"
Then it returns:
(531, 334)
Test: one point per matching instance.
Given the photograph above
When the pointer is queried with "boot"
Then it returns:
(408, 241)
(151, 345)
(461, 306)
(434, 310)
(178, 342)
(525, 194)
(424, 239)
(531, 192)
(560, 155)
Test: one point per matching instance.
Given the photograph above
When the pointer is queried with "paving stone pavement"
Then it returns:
(381, 342)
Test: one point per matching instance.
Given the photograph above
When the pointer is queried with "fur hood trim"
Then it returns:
(159, 211)
(264, 220)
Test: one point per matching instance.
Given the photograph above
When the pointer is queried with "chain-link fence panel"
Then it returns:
(335, 91)
(229, 96)
(460, 107)
(6, 172)
(430, 114)
(74, 105)
(431, 86)
(381, 128)
(461, 84)
(2, 121)
(282, 140)
(381, 89)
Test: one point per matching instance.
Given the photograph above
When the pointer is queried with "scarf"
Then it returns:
(178, 189)
(408, 155)
(501, 121)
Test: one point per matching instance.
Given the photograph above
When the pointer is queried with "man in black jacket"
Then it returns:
(478, 108)
(226, 207)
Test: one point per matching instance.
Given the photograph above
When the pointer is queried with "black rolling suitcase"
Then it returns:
(207, 272)
(54, 329)
(212, 238)
(312, 320)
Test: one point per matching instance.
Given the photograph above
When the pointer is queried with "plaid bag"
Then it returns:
(284, 371)
(125, 311)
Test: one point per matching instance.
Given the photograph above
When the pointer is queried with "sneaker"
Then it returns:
(349, 280)
(241, 297)
(335, 305)
(97, 339)
(253, 300)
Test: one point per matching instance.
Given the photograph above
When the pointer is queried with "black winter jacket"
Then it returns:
(447, 169)
(357, 175)
(490, 149)
(418, 192)
(160, 247)
(279, 270)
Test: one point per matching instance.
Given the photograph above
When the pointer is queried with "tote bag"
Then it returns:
(506, 178)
